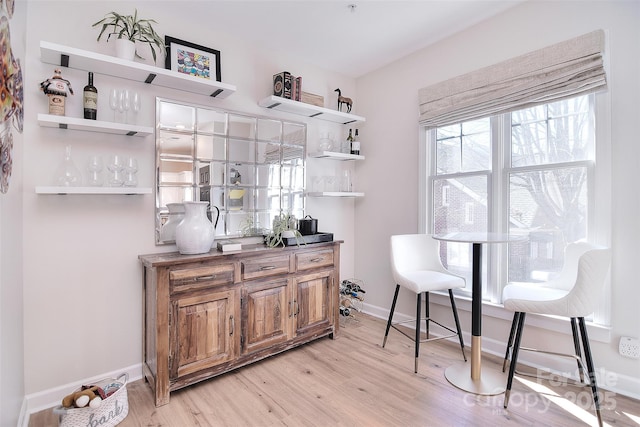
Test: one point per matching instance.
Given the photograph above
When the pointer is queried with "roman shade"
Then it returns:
(556, 72)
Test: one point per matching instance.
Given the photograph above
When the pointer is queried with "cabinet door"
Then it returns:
(312, 301)
(268, 312)
(204, 332)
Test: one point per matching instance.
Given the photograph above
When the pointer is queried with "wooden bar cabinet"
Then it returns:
(207, 314)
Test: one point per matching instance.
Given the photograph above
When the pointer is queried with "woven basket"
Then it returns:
(111, 411)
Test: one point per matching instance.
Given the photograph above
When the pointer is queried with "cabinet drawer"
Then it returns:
(197, 277)
(315, 259)
(262, 267)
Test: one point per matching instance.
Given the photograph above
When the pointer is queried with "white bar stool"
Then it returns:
(416, 266)
(573, 295)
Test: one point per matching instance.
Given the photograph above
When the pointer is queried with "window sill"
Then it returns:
(552, 323)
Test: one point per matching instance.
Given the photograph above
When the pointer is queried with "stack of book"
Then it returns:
(289, 86)
(229, 245)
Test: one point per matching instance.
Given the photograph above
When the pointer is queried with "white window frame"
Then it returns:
(599, 226)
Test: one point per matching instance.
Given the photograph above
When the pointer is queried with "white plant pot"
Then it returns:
(125, 49)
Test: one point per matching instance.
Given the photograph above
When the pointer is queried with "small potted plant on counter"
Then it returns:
(129, 29)
(284, 227)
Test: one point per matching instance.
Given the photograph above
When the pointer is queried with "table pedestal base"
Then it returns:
(491, 381)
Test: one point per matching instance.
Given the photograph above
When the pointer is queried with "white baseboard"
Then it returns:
(52, 397)
(608, 380)
(23, 417)
(623, 384)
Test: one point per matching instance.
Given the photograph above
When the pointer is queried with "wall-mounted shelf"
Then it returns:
(335, 155)
(308, 110)
(74, 123)
(335, 194)
(110, 65)
(93, 190)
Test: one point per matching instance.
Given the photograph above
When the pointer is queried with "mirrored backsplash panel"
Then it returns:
(251, 168)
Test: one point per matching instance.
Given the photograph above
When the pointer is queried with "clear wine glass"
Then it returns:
(121, 105)
(135, 106)
(116, 166)
(131, 169)
(114, 99)
(95, 171)
(125, 100)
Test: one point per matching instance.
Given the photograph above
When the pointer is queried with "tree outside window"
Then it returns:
(543, 182)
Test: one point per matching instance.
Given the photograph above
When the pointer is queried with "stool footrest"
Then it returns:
(453, 332)
(571, 381)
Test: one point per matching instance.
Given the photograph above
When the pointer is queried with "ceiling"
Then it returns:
(350, 40)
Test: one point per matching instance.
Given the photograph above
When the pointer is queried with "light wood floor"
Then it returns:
(353, 381)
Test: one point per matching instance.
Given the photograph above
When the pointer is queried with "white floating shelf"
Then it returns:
(93, 190)
(308, 110)
(335, 194)
(74, 123)
(56, 54)
(335, 156)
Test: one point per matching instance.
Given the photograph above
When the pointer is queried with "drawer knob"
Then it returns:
(201, 278)
(267, 267)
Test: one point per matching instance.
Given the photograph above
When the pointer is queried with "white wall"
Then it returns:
(82, 279)
(11, 295)
(390, 142)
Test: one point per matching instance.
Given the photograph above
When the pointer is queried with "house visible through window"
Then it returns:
(527, 172)
(445, 195)
(468, 213)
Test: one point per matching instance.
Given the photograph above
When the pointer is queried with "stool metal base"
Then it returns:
(491, 381)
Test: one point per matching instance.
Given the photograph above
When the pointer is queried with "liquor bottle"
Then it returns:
(90, 99)
(349, 142)
(355, 145)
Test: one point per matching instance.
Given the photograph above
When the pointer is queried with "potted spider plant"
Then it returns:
(283, 227)
(129, 29)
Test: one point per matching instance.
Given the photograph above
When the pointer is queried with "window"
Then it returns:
(530, 172)
(460, 177)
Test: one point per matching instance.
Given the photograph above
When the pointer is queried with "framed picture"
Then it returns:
(192, 59)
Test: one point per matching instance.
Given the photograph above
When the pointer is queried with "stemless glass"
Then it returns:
(345, 184)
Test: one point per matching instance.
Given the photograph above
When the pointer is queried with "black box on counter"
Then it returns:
(309, 238)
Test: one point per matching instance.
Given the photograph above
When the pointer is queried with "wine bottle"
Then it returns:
(355, 145)
(349, 142)
(90, 99)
